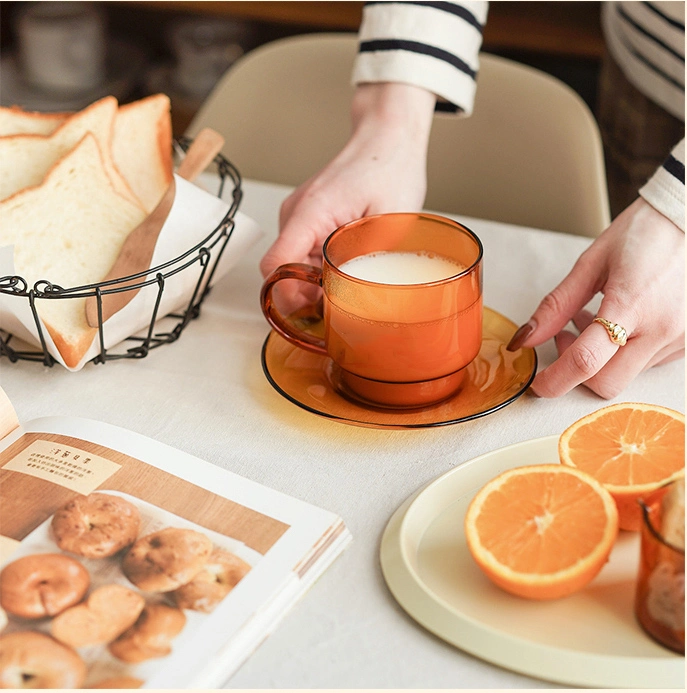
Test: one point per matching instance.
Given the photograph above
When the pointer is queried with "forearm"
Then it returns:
(395, 113)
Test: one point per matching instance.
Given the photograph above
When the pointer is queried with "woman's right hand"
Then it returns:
(382, 168)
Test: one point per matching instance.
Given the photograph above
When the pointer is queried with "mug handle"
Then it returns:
(292, 270)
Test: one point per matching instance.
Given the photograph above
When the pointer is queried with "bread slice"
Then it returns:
(26, 159)
(140, 142)
(16, 121)
(142, 147)
(68, 231)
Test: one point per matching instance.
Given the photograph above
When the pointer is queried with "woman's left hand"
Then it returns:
(638, 264)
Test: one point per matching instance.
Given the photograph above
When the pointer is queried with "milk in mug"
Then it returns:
(401, 267)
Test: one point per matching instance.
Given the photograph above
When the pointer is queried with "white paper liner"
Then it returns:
(194, 215)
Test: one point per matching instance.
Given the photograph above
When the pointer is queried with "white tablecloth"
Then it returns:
(207, 395)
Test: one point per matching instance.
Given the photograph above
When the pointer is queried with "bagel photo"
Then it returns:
(41, 585)
(221, 573)
(106, 614)
(151, 636)
(29, 659)
(96, 526)
(107, 588)
(165, 560)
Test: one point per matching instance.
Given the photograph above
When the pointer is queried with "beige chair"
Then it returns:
(530, 154)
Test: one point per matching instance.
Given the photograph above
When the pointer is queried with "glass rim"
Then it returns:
(425, 215)
(646, 516)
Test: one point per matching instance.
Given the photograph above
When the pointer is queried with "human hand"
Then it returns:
(381, 169)
(638, 264)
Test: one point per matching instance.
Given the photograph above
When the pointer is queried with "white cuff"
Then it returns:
(433, 46)
(665, 190)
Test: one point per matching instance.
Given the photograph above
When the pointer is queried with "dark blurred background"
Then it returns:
(181, 48)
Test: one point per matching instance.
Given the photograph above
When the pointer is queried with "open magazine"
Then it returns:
(127, 563)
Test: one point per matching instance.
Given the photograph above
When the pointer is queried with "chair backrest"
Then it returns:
(530, 154)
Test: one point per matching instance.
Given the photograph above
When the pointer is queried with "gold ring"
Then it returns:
(617, 334)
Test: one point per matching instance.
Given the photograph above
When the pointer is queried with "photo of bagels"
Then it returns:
(29, 659)
(151, 636)
(165, 560)
(222, 571)
(106, 614)
(113, 585)
(97, 525)
(41, 585)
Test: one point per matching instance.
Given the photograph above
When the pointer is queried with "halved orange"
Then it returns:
(631, 448)
(541, 531)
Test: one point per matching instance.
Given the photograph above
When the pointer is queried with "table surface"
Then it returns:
(206, 394)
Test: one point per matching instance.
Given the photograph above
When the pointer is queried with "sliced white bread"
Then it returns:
(68, 231)
(142, 147)
(26, 159)
(16, 121)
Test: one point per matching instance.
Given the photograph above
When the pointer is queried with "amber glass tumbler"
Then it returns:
(660, 596)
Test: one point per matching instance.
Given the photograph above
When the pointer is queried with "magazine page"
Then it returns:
(212, 559)
(241, 647)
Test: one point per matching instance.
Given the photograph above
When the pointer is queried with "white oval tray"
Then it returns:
(590, 638)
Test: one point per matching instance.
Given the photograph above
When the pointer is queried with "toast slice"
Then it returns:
(26, 159)
(68, 231)
(142, 147)
(16, 121)
(140, 142)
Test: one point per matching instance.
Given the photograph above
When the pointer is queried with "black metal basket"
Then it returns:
(206, 254)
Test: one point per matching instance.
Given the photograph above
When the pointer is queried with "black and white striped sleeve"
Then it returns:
(647, 40)
(665, 190)
(433, 45)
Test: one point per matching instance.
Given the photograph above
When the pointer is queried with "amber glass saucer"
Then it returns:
(494, 379)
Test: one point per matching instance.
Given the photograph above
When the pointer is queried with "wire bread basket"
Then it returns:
(204, 256)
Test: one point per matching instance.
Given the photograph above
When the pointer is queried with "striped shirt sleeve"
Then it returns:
(665, 190)
(433, 45)
(647, 40)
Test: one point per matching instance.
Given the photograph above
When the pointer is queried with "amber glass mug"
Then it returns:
(393, 344)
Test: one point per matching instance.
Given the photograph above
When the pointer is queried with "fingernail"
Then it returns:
(521, 335)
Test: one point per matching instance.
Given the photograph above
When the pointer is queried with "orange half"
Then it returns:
(630, 448)
(541, 531)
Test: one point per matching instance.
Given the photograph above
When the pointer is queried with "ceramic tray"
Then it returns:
(590, 638)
